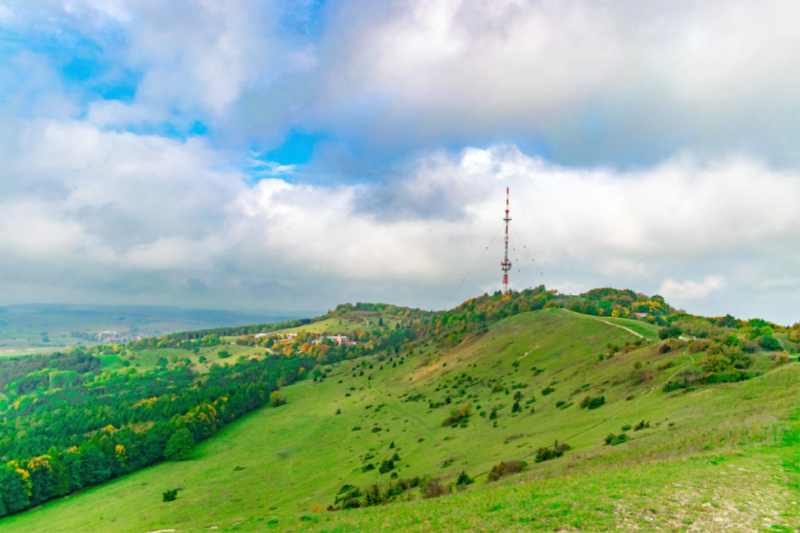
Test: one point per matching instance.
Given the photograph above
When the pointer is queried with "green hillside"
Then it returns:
(709, 457)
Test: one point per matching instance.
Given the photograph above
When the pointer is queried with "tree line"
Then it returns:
(98, 426)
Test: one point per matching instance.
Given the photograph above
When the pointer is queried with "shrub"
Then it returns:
(504, 469)
(386, 466)
(770, 343)
(545, 454)
(548, 390)
(464, 479)
(349, 495)
(592, 403)
(169, 495)
(750, 347)
(626, 427)
(276, 400)
(433, 489)
(457, 416)
(223, 354)
(515, 408)
(641, 425)
(675, 385)
(669, 332)
(613, 440)
(373, 496)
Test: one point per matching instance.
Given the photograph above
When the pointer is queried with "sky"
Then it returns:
(293, 155)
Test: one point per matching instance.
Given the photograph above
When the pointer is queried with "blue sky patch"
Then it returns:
(297, 149)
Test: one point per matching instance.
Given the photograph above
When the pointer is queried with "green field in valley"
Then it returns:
(718, 457)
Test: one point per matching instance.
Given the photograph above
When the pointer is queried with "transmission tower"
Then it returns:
(506, 264)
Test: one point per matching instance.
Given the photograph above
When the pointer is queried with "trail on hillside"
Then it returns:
(623, 327)
(629, 330)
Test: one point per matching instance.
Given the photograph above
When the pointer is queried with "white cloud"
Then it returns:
(705, 89)
(156, 213)
(624, 83)
(690, 290)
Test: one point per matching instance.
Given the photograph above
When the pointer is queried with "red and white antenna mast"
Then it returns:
(506, 264)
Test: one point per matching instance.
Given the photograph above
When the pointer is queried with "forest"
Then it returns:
(67, 425)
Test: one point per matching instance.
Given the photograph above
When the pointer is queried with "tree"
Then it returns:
(95, 467)
(275, 399)
(770, 343)
(180, 445)
(155, 442)
(670, 332)
(41, 478)
(15, 489)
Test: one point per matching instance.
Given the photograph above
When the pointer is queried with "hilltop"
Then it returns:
(669, 421)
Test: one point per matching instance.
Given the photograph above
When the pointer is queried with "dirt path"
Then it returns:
(623, 327)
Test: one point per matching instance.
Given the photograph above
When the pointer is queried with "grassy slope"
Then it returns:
(296, 457)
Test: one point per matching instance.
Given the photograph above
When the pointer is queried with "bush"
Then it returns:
(504, 469)
(386, 466)
(464, 479)
(675, 385)
(770, 344)
(169, 495)
(433, 489)
(459, 415)
(223, 354)
(641, 425)
(275, 399)
(613, 440)
(750, 347)
(548, 390)
(626, 427)
(515, 408)
(349, 495)
(593, 403)
(545, 454)
(669, 332)
(373, 496)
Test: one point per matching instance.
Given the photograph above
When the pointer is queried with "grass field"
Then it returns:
(719, 458)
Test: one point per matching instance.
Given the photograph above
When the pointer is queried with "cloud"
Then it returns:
(88, 209)
(690, 290)
(583, 82)
(642, 142)
(579, 82)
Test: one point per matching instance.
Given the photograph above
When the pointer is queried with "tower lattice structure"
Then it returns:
(506, 264)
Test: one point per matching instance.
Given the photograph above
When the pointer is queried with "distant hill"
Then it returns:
(513, 412)
(36, 328)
